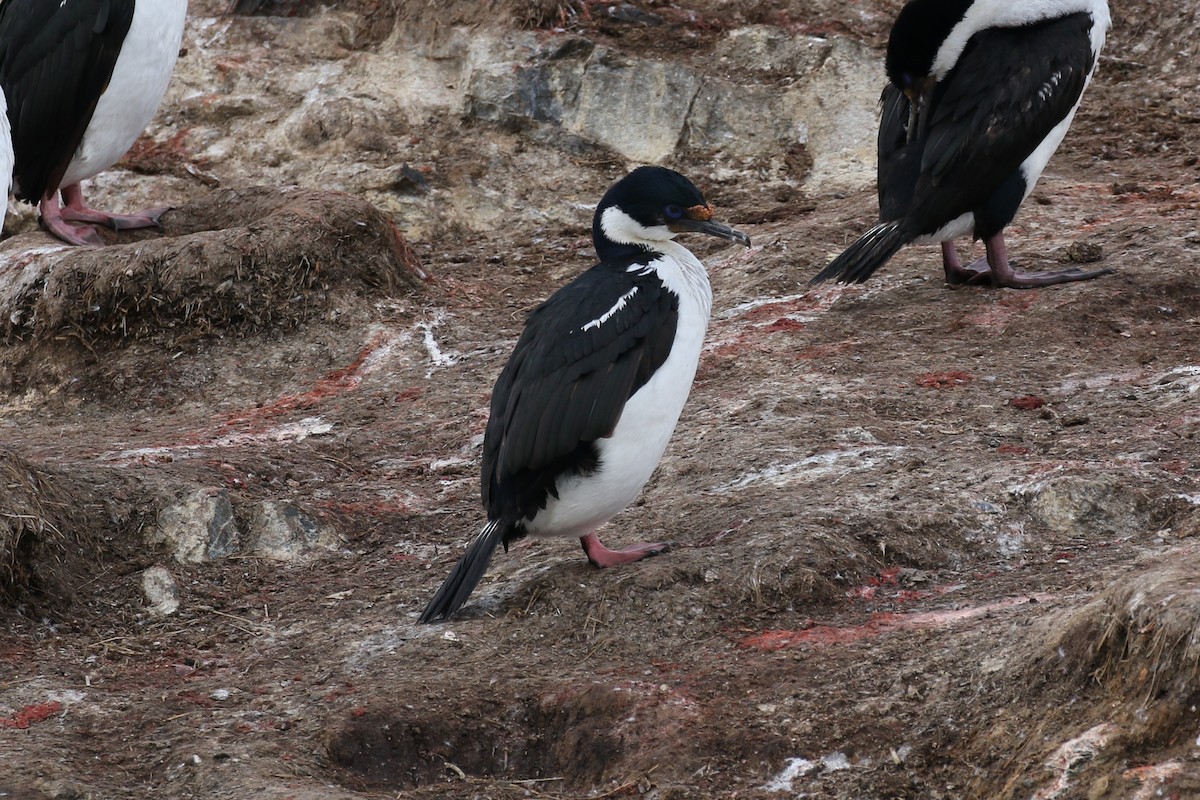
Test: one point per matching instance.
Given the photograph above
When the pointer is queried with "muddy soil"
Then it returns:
(931, 543)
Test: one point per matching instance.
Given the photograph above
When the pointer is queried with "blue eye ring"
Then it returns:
(673, 211)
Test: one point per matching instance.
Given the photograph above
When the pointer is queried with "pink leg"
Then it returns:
(956, 274)
(77, 210)
(1004, 275)
(52, 218)
(996, 269)
(602, 557)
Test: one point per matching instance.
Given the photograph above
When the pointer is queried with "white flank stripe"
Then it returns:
(607, 315)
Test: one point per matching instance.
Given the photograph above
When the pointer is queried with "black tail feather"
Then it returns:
(466, 573)
(869, 253)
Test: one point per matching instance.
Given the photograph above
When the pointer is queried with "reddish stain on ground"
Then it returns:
(13, 654)
(1013, 450)
(784, 324)
(31, 714)
(887, 585)
(197, 698)
(1027, 402)
(160, 158)
(886, 577)
(876, 625)
(944, 380)
(333, 384)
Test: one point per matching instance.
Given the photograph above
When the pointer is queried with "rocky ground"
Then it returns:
(932, 543)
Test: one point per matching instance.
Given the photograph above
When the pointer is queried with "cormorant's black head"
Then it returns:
(918, 33)
(649, 205)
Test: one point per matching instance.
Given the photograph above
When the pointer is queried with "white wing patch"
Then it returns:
(607, 315)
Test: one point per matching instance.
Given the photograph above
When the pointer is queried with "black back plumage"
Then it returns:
(56, 60)
(1009, 88)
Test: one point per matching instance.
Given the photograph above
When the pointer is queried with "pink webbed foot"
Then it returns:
(76, 210)
(52, 218)
(602, 556)
(118, 222)
(996, 269)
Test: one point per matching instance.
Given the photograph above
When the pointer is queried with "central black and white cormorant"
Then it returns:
(980, 95)
(83, 78)
(582, 412)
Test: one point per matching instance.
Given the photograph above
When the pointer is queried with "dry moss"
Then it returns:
(44, 549)
(238, 260)
(1139, 642)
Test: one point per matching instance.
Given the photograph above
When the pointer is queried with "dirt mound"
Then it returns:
(1095, 690)
(1138, 642)
(236, 261)
(47, 546)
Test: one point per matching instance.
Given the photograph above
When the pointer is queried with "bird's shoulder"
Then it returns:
(1008, 90)
(612, 302)
(34, 30)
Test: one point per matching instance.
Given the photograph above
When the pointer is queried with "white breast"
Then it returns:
(629, 456)
(138, 83)
(6, 156)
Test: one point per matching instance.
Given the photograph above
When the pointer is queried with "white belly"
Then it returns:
(138, 83)
(629, 456)
(959, 226)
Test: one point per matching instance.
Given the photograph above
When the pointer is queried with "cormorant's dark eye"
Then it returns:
(673, 212)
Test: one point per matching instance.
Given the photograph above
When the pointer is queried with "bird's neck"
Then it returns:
(682, 273)
(608, 250)
(619, 236)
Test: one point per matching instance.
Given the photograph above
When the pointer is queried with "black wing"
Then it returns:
(1008, 90)
(899, 160)
(55, 61)
(567, 381)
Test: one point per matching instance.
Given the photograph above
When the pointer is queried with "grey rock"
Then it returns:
(738, 120)
(836, 110)
(282, 531)
(635, 106)
(824, 97)
(512, 93)
(768, 49)
(161, 591)
(1075, 504)
(198, 526)
(352, 122)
